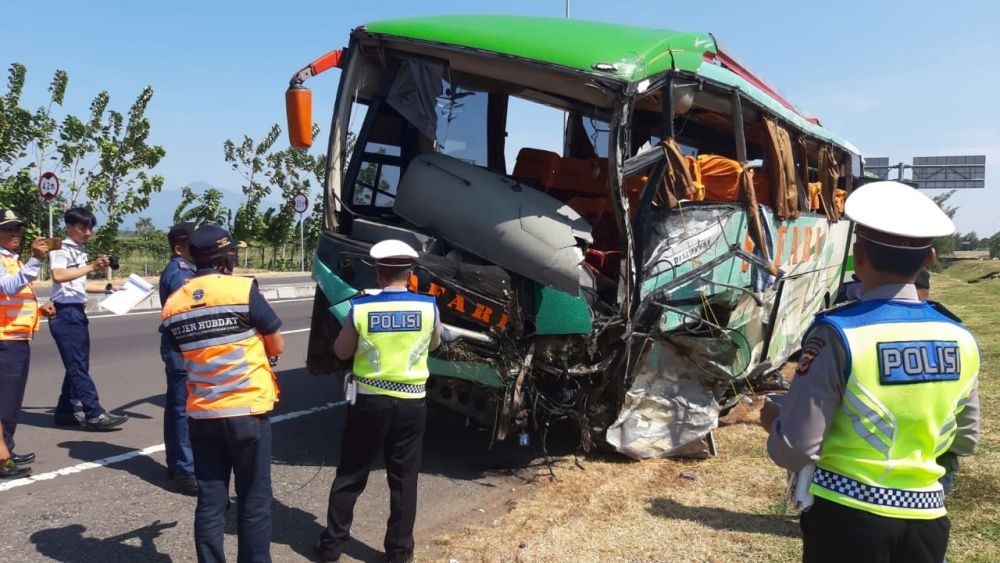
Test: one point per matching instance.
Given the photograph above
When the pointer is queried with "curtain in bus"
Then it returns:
(755, 225)
(802, 165)
(780, 166)
(678, 177)
(829, 176)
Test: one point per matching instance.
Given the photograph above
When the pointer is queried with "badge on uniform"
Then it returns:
(198, 294)
(394, 321)
(809, 353)
(921, 361)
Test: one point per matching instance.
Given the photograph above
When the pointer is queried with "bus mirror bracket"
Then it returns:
(298, 98)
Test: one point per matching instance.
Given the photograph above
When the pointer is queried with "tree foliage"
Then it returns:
(946, 245)
(209, 207)
(283, 173)
(103, 162)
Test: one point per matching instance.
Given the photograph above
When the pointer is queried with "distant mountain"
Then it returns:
(162, 205)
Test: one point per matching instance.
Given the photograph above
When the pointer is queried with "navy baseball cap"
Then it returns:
(181, 232)
(9, 219)
(210, 241)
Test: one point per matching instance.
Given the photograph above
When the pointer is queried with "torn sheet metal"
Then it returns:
(496, 218)
(669, 408)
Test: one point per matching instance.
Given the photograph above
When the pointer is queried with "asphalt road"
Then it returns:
(105, 497)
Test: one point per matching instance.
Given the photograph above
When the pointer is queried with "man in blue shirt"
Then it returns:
(177, 442)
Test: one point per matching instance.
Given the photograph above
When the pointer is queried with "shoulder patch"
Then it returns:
(183, 266)
(838, 307)
(809, 352)
(944, 311)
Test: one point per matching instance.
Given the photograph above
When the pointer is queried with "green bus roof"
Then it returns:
(636, 52)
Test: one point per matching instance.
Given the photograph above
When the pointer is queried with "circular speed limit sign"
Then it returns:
(48, 186)
(300, 203)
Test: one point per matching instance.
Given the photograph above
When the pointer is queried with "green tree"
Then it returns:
(209, 208)
(995, 246)
(249, 159)
(144, 226)
(946, 245)
(120, 184)
(25, 144)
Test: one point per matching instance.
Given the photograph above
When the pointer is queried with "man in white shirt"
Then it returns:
(69, 327)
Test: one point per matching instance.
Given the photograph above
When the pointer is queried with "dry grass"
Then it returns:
(732, 510)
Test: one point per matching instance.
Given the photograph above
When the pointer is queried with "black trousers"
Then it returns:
(15, 355)
(378, 424)
(832, 532)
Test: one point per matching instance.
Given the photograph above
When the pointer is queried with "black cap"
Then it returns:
(181, 233)
(923, 280)
(10, 219)
(210, 242)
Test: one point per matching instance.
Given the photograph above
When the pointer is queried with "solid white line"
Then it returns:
(294, 331)
(104, 462)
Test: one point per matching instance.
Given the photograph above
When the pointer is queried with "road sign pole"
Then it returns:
(50, 219)
(302, 244)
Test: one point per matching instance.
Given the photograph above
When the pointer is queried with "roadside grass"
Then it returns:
(728, 508)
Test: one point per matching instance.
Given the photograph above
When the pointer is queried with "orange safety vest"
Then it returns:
(208, 319)
(18, 312)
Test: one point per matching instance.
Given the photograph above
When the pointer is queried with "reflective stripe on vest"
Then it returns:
(228, 372)
(912, 370)
(394, 335)
(19, 317)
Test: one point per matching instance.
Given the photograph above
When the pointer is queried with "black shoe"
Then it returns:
(186, 484)
(22, 459)
(321, 555)
(104, 422)
(15, 472)
(75, 419)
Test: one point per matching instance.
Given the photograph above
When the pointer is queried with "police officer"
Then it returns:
(226, 332)
(70, 326)
(389, 334)
(180, 462)
(884, 386)
(18, 324)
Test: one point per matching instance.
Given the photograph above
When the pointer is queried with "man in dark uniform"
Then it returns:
(226, 332)
(19, 312)
(885, 385)
(180, 462)
(389, 334)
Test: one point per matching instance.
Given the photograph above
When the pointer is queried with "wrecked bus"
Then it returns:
(622, 227)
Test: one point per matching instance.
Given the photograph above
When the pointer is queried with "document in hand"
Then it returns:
(134, 290)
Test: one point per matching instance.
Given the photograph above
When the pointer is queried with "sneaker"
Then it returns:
(22, 459)
(14, 472)
(75, 419)
(186, 484)
(104, 422)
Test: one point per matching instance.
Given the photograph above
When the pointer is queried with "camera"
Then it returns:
(113, 262)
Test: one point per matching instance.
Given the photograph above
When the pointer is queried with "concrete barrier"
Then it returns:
(270, 292)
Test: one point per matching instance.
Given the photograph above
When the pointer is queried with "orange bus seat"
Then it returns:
(536, 167)
(721, 177)
(839, 198)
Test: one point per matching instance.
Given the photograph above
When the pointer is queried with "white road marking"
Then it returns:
(104, 462)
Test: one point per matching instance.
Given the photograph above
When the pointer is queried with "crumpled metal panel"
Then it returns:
(496, 218)
(672, 404)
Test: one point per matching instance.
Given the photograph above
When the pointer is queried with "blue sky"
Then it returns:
(898, 79)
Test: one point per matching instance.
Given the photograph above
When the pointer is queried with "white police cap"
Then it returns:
(393, 252)
(895, 209)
